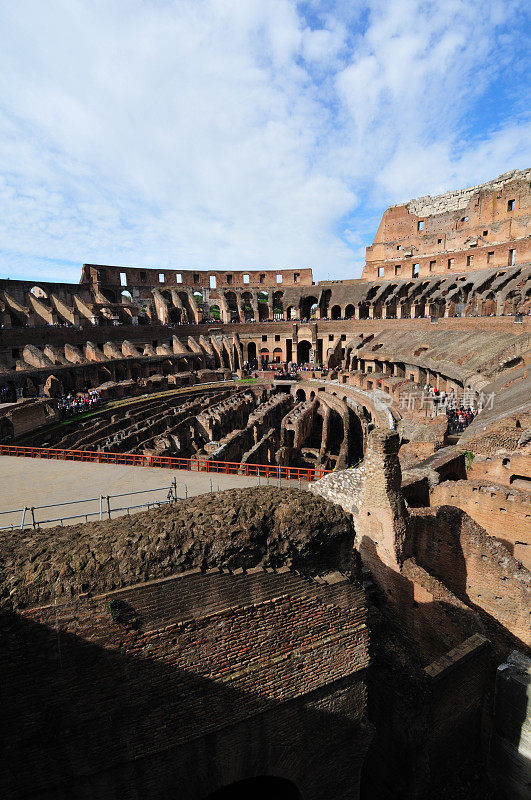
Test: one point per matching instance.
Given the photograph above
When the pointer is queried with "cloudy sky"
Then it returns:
(245, 133)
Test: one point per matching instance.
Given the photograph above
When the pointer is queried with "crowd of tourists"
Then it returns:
(78, 404)
(460, 413)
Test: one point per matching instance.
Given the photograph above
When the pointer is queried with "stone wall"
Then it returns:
(185, 684)
(504, 513)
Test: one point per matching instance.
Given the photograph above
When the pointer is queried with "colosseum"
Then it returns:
(352, 625)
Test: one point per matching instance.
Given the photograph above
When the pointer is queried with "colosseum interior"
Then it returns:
(361, 635)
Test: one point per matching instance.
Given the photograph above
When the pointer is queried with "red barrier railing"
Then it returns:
(166, 462)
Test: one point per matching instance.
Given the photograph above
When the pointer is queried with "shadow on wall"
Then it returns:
(428, 730)
(84, 721)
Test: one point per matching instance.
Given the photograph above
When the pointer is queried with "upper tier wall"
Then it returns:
(485, 226)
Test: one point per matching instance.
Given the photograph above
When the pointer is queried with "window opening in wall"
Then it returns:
(490, 256)
(432, 265)
(381, 272)
(296, 276)
(512, 257)
(123, 279)
(398, 269)
(228, 278)
(279, 278)
(415, 271)
(196, 277)
(162, 277)
(246, 279)
(420, 225)
(330, 337)
(143, 277)
(399, 247)
(485, 233)
(264, 337)
(450, 263)
(179, 278)
(261, 278)
(469, 260)
(464, 219)
(510, 205)
(277, 337)
(212, 281)
(439, 241)
(343, 337)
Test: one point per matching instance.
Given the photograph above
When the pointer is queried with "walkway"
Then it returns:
(36, 482)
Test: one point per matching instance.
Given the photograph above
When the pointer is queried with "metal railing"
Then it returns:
(105, 510)
(167, 462)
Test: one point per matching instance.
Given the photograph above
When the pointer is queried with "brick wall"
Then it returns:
(122, 707)
(474, 566)
(504, 513)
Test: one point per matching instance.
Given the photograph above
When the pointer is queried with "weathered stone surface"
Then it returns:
(237, 528)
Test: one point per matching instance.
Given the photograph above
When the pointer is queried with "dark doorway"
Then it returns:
(263, 788)
(303, 352)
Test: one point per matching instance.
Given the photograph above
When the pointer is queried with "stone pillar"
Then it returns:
(381, 536)
(371, 312)
(356, 312)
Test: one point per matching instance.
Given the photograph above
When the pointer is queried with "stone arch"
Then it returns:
(278, 305)
(264, 355)
(303, 352)
(308, 306)
(277, 355)
(39, 293)
(263, 305)
(335, 312)
(251, 353)
(232, 302)
(291, 312)
(214, 311)
(126, 296)
(300, 396)
(109, 295)
(350, 311)
(363, 310)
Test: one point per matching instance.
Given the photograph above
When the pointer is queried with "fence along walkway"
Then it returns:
(167, 462)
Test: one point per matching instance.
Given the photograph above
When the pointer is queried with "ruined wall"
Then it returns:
(485, 226)
(504, 513)
(175, 686)
(474, 566)
(183, 681)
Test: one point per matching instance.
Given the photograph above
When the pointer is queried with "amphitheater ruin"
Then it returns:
(363, 635)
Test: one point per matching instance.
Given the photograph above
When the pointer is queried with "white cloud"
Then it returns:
(234, 132)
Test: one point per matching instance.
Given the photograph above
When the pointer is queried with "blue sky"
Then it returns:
(245, 133)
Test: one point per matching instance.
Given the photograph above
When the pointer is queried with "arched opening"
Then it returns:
(291, 312)
(350, 311)
(363, 310)
(260, 788)
(251, 355)
(214, 311)
(308, 307)
(300, 395)
(277, 355)
(278, 305)
(264, 356)
(303, 352)
(263, 306)
(39, 293)
(336, 312)
(336, 434)
(126, 297)
(247, 300)
(109, 295)
(232, 302)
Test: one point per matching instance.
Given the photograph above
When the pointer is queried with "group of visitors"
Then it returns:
(78, 404)
(460, 413)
